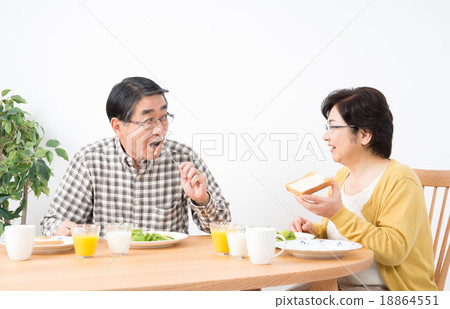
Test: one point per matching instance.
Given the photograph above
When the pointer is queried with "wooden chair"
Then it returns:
(438, 180)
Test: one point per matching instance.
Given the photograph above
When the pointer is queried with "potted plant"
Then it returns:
(23, 161)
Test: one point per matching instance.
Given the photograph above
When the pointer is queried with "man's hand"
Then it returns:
(323, 206)
(194, 183)
(64, 229)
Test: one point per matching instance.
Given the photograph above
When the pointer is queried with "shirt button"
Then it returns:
(137, 201)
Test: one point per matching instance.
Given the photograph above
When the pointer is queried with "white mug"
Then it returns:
(261, 244)
(19, 241)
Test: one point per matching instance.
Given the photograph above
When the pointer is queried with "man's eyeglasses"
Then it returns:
(151, 123)
(329, 127)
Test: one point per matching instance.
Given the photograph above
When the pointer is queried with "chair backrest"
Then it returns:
(438, 180)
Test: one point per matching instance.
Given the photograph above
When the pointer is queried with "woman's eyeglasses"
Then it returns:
(329, 127)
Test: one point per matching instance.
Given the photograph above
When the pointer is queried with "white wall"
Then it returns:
(238, 69)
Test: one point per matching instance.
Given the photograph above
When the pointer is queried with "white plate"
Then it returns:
(300, 235)
(320, 248)
(159, 243)
(52, 249)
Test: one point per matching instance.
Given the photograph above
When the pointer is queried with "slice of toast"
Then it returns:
(47, 240)
(308, 184)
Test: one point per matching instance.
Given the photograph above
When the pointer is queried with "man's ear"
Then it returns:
(117, 126)
(366, 137)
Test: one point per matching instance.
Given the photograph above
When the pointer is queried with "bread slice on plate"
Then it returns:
(47, 240)
(308, 184)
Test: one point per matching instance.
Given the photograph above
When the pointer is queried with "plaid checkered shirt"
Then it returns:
(102, 186)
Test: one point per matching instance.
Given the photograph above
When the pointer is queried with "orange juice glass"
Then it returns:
(219, 237)
(85, 239)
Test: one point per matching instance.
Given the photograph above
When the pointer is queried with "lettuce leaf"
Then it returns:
(138, 235)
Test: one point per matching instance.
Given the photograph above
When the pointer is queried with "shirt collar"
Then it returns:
(127, 160)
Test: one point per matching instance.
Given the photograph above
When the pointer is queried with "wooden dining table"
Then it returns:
(188, 265)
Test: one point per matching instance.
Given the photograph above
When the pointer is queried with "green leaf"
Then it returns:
(19, 209)
(8, 128)
(20, 168)
(7, 214)
(62, 153)
(40, 153)
(5, 92)
(2, 228)
(39, 139)
(5, 179)
(44, 182)
(18, 119)
(4, 198)
(29, 144)
(33, 137)
(9, 104)
(4, 213)
(30, 124)
(13, 111)
(12, 155)
(18, 137)
(27, 153)
(19, 188)
(18, 99)
(45, 190)
(32, 174)
(6, 204)
(52, 143)
(44, 170)
(49, 156)
(36, 186)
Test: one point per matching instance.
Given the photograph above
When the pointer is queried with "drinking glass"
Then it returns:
(118, 236)
(237, 241)
(219, 237)
(85, 239)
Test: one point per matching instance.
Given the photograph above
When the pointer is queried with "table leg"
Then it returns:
(325, 285)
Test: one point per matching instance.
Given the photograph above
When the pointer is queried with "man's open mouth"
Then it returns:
(155, 144)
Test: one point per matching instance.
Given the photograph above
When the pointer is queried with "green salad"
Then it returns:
(289, 235)
(138, 235)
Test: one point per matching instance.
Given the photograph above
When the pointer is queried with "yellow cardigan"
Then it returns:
(396, 229)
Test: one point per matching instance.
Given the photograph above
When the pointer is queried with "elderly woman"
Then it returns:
(375, 201)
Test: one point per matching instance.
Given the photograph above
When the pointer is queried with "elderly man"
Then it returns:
(138, 176)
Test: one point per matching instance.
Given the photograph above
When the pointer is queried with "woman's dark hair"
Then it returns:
(124, 96)
(367, 109)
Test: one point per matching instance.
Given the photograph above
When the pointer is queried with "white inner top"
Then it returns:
(355, 203)
(307, 183)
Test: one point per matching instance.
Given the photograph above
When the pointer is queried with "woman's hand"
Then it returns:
(323, 206)
(302, 225)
